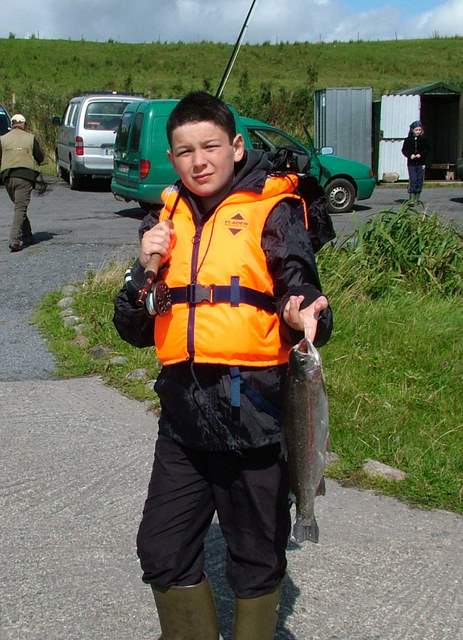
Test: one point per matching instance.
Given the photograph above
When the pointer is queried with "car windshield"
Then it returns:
(104, 115)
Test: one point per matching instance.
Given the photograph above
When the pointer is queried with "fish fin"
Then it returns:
(321, 490)
(302, 531)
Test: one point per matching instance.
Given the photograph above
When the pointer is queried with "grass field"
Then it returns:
(61, 67)
(274, 82)
(394, 364)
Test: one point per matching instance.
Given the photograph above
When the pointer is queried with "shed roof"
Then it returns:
(435, 88)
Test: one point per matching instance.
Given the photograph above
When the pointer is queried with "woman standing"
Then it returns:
(416, 149)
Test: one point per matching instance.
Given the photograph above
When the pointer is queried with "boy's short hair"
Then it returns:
(200, 106)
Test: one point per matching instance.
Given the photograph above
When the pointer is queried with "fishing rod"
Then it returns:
(236, 48)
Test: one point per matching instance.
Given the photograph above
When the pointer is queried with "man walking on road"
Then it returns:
(20, 155)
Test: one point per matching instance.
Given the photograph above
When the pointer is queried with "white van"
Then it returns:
(85, 141)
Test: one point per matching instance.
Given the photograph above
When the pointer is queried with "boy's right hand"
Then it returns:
(159, 240)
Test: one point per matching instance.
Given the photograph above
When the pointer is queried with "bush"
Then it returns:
(403, 248)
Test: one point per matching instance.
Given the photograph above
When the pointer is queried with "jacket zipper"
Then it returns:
(193, 277)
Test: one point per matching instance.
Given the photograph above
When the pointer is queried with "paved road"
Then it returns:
(74, 462)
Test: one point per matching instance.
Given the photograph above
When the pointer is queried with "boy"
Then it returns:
(244, 285)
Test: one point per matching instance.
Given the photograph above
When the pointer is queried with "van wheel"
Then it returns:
(340, 195)
(62, 173)
(75, 180)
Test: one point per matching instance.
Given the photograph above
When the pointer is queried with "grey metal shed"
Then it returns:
(343, 121)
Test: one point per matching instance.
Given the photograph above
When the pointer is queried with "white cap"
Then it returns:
(18, 118)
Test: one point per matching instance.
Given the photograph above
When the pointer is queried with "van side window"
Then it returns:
(269, 140)
(136, 132)
(69, 113)
(104, 116)
(258, 142)
(122, 135)
(73, 117)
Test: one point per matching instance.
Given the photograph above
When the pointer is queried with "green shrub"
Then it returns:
(404, 248)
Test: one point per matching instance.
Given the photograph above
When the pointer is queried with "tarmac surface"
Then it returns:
(75, 459)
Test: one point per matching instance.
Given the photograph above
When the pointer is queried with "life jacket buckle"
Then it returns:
(196, 293)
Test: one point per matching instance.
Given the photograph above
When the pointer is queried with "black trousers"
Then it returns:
(249, 493)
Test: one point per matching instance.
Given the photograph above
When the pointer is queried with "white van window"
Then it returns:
(73, 117)
(69, 113)
(104, 115)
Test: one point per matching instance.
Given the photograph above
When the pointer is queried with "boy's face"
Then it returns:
(204, 158)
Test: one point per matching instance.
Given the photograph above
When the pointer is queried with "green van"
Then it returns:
(142, 170)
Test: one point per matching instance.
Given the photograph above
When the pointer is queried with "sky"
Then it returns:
(221, 20)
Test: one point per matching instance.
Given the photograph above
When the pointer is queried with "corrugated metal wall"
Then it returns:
(391, 159)
(397, 113)
(343, 121)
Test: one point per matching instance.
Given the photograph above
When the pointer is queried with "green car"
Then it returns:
(142, 170)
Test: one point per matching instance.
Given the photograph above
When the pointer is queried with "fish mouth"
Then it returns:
(306, 352)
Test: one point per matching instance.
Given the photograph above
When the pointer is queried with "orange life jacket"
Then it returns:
(223, 311)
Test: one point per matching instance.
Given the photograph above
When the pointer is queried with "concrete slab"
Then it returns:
(74, 466)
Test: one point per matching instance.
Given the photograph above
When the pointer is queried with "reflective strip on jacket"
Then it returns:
(223, 250)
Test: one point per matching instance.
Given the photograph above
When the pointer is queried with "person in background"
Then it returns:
(416, 149)
(20, 155)
(224, 349)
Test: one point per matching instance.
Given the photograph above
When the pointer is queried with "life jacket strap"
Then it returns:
(235, 386)
(214, 294)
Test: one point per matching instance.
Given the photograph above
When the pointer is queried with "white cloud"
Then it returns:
(446, 19)
(221, 20)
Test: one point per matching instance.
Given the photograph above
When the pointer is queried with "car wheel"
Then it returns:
(75, 180)
(340, 195)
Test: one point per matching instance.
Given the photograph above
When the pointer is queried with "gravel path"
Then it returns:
(75, 459)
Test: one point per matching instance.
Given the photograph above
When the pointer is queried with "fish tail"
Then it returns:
(321, 490)
(303, 531)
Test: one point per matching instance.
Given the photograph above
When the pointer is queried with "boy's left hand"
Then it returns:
(304, 319)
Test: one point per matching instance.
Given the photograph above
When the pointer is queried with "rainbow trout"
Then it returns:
(305, 435)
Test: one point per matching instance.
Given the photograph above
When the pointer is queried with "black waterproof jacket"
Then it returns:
(413, 145)
(195, 399)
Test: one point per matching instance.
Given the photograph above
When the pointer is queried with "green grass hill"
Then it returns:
(271, 81)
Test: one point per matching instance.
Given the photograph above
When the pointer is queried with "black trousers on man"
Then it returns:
(249, 491)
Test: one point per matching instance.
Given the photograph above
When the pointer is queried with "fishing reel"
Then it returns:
(155, 295)
(159, 301)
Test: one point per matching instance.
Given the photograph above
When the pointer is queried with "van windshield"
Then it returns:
(104, 116)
